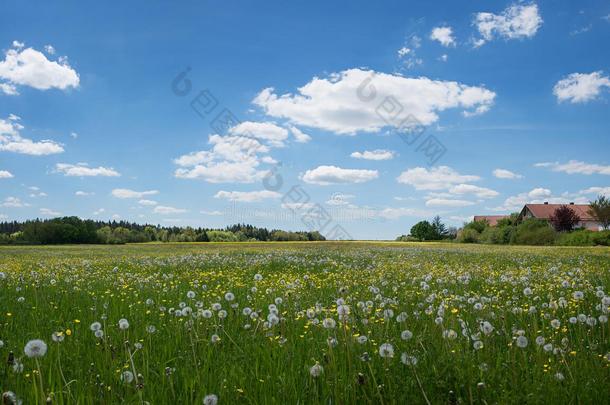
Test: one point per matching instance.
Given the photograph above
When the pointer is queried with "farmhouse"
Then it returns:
(492, 220)
(546, 210)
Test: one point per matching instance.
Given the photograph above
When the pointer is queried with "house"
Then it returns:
(546, 210)
(492, 220)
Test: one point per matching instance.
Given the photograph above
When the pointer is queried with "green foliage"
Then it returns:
(468, 235)
(222, 236)
(600, 210)
(533, 231)
(478, 226)
(423, 231)
(583, 237)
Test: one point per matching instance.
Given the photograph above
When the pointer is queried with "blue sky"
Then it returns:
(516, 94)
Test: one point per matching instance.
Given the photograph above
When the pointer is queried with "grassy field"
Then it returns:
(286, 323)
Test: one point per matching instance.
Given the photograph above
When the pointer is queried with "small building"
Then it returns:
(492, 220)
(546, 211)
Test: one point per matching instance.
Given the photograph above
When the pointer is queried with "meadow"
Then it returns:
(288, 323)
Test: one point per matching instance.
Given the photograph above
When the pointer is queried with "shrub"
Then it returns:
(533, 231)
(576, 238)
(468, 235)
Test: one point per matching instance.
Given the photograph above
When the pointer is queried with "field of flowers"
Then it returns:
(304, 323)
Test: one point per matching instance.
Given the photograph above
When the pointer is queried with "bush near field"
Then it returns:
(528, 232)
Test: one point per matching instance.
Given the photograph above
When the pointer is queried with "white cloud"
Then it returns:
(83, 170)
(445, 202)
(506, 174)
(357, 100)
(515, 22)
(211, 213)
(444, 57)
(437, 178)
(6, 174)
(247, 196)
(326, 175)
(83, 193)
(404, 51)
(265, 131)
(378, 154)
(537, 195)
(49, 212)
(29, 67)
(597, 191)
(576, 167)
(13, 202)
(125, 193)
(540, 192)
(339, 199)
(12, 141)
(481, 192)
(49, 49)
(99, 212)
(299, 136)
(395, 213)
(147, 202)
(581, 87)
(164, 210)
(444, 35)
(232, 159)
(2, 216)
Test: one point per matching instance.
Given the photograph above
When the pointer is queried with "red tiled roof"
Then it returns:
(545, 211)
(491, 219)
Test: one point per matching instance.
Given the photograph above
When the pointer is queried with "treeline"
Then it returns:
(74, 230)
(429, 231)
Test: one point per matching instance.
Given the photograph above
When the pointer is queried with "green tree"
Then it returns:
(439, 228)
(423, 230)
(600, 210)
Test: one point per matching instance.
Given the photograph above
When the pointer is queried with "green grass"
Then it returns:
(66, 288)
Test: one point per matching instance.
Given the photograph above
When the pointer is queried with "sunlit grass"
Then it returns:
(467, 310)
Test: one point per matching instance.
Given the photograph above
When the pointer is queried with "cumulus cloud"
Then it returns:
(4, 174)
(83, 193)
(537, 195)
(147, 202)
(481, 192)
(576, 167)
(231, 159)
(515, 22)
(12, 141)
(83, 170)
(29, 67)
(359, 100)
(49, 212)
(165, 210)
(265, 131)
(436, 178)
(125, 193)
(299, 136)
(247, 196)
(444, 35)
(13, 202)
(378, 154)
(581, 87)
(506, 174)
(326, 175)
(597, 191)
(446, 202)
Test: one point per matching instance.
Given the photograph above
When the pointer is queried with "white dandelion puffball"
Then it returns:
(316, 370)
(478, 345)
(386, 350)
(229, 296)
(329, 323)
(99, 333)
(486, 327)
(362, 339)
(127, 377)
(35, 348)
(123, 324)
(215, 338)
(190, 294)
(95, 326)
(406, 335)
(522, 342)
(57, 337)
(210, 399)
(151, 329)
(1, 344)
(258, 277)
(408, 360)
